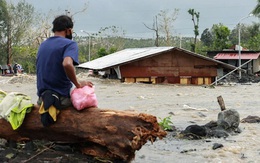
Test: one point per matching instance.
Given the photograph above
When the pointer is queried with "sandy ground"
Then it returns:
(187, 104)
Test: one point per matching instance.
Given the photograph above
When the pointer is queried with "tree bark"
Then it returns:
(104, 133)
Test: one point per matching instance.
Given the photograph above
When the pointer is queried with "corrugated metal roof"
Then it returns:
(122, 56)
(236, 56)
(129, 55)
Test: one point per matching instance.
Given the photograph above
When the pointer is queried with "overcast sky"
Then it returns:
(131, 14)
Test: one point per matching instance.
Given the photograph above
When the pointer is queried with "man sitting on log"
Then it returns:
(56, 75)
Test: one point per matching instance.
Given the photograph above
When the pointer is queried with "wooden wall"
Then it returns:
(171, 67)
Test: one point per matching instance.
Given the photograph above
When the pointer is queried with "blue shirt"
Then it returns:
(50, 72)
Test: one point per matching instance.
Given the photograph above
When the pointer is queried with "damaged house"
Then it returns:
(159, 65)
(250, 60)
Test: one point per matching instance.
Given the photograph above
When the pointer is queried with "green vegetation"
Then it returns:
(195, 19)
(166, 123)
(256, 10)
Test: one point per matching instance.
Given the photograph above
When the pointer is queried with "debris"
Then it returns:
(187, 107)
(194, 132)
(217, 145)
(251, 119)
(221, 103)
(227, 123)
(189, 150)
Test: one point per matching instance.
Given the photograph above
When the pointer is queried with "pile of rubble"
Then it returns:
(22, 79)
(245, 78)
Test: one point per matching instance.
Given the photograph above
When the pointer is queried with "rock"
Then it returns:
(29, 146)
(12, 144)
(217, 145)
(218, 133)
(228, 119)
(8, 154)
(251, 119)
(194, 132)
(3, 142)
(189, 150)
(227, 123)
(211, 124)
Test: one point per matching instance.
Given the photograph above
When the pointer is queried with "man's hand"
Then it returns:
(85, 83)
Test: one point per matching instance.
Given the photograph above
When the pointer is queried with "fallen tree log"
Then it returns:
(106, 134)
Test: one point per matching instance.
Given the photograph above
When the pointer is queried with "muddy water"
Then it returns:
(189, 105)
(240, 148)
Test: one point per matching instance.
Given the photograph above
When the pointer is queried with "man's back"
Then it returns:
(50, 71)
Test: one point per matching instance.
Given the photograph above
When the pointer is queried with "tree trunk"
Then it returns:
(104, 133)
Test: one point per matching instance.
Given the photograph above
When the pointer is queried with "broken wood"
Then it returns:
(106, 134)
(221, 103)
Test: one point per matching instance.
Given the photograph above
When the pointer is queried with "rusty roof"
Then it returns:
(132, 54)
(236, 56)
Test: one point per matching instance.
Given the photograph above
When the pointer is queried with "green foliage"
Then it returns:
(102, 52)
(138, 43)
(26, 57)
(254, 42)
(206, 37)
(166, 123)
(111, 36)
(195, 19)
(256, 10)
(249, 36)
(112, 50)
(3, 15)
(220, 35)
(3, 26)
(15, 20)
(201, 49)
(83, 51)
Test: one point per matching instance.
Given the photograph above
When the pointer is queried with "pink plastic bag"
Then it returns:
(84, 97)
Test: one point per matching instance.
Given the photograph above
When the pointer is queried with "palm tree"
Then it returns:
(256, 10)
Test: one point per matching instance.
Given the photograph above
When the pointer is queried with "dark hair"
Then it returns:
(62, 23)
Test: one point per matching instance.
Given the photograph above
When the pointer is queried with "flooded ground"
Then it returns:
(187, 105)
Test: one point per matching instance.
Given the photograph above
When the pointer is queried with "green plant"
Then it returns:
(165, 123)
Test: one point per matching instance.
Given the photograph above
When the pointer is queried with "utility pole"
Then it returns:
(239, 47)
(88, 43)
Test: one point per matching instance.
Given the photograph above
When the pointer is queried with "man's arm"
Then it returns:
(70, 71)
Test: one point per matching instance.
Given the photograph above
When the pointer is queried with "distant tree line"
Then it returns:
(22, 30)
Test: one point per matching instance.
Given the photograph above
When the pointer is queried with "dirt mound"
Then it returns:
(23, 79)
